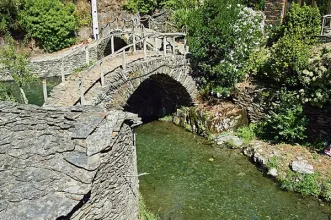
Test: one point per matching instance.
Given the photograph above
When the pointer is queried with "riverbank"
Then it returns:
(294, 168)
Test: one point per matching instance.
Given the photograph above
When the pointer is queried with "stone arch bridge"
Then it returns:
(74, 158)
(153, 80)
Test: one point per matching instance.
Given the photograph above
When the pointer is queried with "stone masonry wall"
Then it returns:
(274, 11)
(251, 98)
(51, 65)
(67, 163)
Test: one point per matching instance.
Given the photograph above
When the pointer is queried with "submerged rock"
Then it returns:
(231, 141)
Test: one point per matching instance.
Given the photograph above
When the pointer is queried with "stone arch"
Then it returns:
(105, 47)
(171, 74)
(157, 96)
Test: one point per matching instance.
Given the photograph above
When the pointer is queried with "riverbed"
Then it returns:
(190, 178)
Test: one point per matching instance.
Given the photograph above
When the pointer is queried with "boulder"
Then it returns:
(231, 141)
(302, 166)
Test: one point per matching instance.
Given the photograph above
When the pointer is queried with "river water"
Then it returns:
(33, 90)
(191, 179)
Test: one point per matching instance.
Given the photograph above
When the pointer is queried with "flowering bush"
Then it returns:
(222, 34)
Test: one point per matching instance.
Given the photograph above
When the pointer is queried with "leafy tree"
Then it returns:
(51, 22)
(8, 15)
(15, 63)
(221, 36)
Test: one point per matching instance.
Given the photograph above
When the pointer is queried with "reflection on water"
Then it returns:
(34, 90)
(191, 179)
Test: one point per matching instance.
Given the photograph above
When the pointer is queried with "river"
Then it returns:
(192, 179)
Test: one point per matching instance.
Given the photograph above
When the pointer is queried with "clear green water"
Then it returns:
(34, 90)
(184, 184)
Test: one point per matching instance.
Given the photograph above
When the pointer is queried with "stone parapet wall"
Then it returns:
(67, 163)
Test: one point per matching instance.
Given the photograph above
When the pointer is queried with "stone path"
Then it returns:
(68, 93)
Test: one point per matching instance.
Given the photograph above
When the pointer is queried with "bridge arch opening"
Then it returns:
(156, 97)
(118, 44)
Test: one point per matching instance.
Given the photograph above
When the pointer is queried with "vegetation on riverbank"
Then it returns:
(144, 213)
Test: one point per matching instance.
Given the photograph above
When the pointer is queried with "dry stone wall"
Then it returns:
(274, 11)
(67, 163)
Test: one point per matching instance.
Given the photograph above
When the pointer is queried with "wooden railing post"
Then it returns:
(123, 60)
(81, 91)
(164, 45)
(112, 44)
(185, 46)
(145, 49)
(155, 42)
(44, 89)
(134, 42)
(62, 71)
(102, 76)
(87, 56)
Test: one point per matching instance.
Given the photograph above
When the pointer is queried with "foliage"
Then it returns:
(285, 123)
(306, 184)
(288, 56)
(51, 22)
(144, 213)
(15, 62)
(255, 4)
(315, 81)
(83, 13)
(8, 14)
(273, 162)
(222, 35)
(247, 133)
(141, 6)
(304, 22)
(5, 93)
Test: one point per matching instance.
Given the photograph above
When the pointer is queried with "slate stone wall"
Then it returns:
(67, 163)
(275, 11)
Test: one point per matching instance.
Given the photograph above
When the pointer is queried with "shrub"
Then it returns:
(304, 22)
(246, 132)
(286, 122)
(51, 22)
(288, 56)
(221, 36)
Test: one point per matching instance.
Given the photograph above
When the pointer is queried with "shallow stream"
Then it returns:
(191, 179)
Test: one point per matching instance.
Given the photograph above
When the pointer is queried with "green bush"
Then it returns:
(51, 22)
(8, 15)
(247, 133)
(304, 22)
(285, 123)
(221, 36)
(288, 56)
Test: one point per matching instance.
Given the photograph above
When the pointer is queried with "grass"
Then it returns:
(144, 213)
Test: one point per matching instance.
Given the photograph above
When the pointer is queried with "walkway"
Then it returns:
(68, 92)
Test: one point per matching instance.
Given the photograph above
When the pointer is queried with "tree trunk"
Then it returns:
(25, 100)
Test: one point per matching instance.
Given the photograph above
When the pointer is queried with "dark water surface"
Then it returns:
(191, 179)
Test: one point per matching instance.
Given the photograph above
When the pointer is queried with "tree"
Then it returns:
(51, 22)
(221, 35)
(16, 64)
